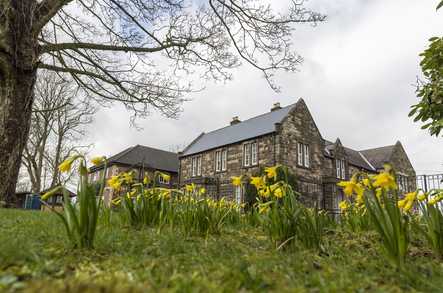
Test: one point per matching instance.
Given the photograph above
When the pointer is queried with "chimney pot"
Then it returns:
(276, 106)
(235, 120)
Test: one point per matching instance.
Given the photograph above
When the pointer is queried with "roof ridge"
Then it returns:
(377, 148)
(122, 153)
(156, 149)
(254, 117)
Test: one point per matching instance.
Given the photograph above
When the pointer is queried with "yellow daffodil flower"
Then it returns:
(343, 205)
(257, 182)
(66, 165)
(165, 177)
(202, 191)
(190, 187)
(271, 172)
(422, 197)
(385, 180)
(96, 161)
(351, 187)
(236, 181)
(146, 180)
(407, 202)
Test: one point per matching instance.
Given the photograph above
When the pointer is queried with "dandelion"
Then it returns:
(96, 161)
(271, 172)
(236, 181)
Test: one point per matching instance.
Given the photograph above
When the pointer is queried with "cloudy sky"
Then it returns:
(357, 78)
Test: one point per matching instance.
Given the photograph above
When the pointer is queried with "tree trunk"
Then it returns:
(18, 69)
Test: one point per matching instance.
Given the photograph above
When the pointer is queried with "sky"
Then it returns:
(358, 80)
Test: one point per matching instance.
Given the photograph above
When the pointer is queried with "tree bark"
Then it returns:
(18, 69)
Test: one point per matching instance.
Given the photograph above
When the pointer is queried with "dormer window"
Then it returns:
(341, 170)
(303, 156)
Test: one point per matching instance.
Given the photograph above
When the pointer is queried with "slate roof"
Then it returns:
(250, 128)
(378, 156)
(140, 155)
(370, 159)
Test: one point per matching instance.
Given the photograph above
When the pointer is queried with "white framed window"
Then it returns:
(218, 160)
(250, 154)
(254, 154)
(224, 159)
(341, 169)
(238, 194)
(306, 154)
(402, 182)
(194, 166)
(246, 154)
(299, 154)
(303, 155)
(197, 166)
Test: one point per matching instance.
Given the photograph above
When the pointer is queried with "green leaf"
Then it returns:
(439, 5)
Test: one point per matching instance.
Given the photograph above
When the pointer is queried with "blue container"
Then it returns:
(32, 202)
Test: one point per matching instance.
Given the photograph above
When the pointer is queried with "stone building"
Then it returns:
(288, 136)
(142, 160)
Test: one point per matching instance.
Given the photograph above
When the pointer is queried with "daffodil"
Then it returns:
(190, 187)
(236, 180)
(351, 187)
(146, 180)
(271, 172)
(66, 165)
(422, 197)
(385, 180)
(264, 208)
(202, 191)
(257, 182)
(407, 202)
(96, 161)
(165, 177)
(343, 205)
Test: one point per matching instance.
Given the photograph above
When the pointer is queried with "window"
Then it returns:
(250, 154)
(303, 155)
(218, 161)
(238, 192)
(340, 166)
(196, 166)
(224, 159)
(221, 157)
(254, 155)
(402, 182)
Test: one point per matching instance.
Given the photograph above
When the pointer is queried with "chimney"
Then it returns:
(276, 106)
(235, 120)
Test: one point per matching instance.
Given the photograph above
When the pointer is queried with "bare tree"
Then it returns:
(137, 52)
(57, 124)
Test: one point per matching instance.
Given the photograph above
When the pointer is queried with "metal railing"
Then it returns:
(429, 182)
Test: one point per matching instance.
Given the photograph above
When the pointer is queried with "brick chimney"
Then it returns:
(276, 106)
(235, 120)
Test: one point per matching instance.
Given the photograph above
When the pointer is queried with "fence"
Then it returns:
(429, 182)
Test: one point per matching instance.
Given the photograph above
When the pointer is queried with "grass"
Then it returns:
(35, 256)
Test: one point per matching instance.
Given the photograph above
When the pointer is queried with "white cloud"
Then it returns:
(357, 79)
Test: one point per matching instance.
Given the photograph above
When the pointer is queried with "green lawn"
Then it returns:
(36, 257)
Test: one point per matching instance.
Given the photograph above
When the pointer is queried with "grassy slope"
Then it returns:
(35, 256)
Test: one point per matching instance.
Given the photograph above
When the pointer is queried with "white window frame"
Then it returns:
(300, 154)
(254, 153)
(199, 165)
(303, 155)
(341, 168)
(194, 166)
(247, 154)
(306, 158)
(218, 161)
(224, 159)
